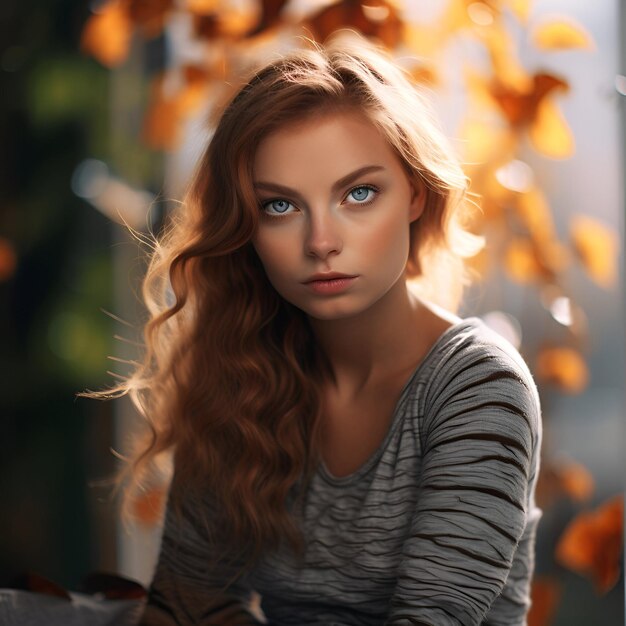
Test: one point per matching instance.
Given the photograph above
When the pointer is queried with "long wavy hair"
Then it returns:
(231, 377)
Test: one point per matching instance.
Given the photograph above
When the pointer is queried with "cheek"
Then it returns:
(389, 240)
(274, 251)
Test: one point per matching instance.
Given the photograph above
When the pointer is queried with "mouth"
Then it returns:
(331, 286)
(330, 276)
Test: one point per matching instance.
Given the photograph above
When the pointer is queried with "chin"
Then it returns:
(329, 312)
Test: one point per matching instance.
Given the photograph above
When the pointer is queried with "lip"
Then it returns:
(331, 286)
(327, 276)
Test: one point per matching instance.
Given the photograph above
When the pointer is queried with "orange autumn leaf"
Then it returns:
(236, 23)
(527, 260)
(194, 92)
(455, 16)
(460, 14)
(423, 40)
(545, 595)
(424, 74)
(379, 19)
(533, 210)
(507, 70)
(576, 480)
(483, 14)
(554, 256)
(563, 477)
(519, 107)
(270, 15)
(206, 26)
(480, 140)
(484, 142)
(150, 15)
(161, 129)
(161, 126)
(226, 23)
(597, 247)
(527, 104)
(195, 74)
(148, 506)
(492, 214)
(8, 259)
(549, 132)
(561, 34)
(106, 35)
(169, 108)
(479, 89)
(521, 8)
(203, 7)
(520, 261)
(564, 368)
(592, 544)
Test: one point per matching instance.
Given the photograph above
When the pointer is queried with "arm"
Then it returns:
(184, 589)
(480, 450)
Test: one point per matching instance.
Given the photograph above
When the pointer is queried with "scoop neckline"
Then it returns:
(375, 456)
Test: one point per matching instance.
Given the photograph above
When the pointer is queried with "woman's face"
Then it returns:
(333, 198)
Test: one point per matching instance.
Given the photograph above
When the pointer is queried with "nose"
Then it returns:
(322, 236)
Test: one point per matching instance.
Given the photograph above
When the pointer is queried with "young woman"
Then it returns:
(345, 448)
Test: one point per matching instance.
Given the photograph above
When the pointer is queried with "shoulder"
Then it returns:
(470, 349)
(457, 344)
(472, 370)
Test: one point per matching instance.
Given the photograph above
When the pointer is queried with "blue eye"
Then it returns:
(278, 206)
(363, 194)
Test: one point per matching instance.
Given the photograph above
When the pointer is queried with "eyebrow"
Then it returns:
(337, 185)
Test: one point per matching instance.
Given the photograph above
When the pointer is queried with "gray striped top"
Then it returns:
(437, 527)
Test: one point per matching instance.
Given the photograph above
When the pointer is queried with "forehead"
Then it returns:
(327, 145)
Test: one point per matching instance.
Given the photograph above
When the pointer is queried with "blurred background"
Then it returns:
(103, 114)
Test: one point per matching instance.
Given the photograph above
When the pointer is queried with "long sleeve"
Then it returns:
(186, 587)
(482, 432)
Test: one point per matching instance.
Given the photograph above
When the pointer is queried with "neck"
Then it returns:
(363, 348)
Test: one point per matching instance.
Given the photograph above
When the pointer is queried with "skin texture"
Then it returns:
(377, 329)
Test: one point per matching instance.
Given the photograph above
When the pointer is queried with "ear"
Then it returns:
(418, 200)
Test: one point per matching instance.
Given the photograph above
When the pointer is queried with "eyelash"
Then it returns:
(273, 216)
(370, 187)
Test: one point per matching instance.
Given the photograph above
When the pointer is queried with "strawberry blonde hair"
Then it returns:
(231, 377)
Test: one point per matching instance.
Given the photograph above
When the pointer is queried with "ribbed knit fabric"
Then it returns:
(437, 527)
